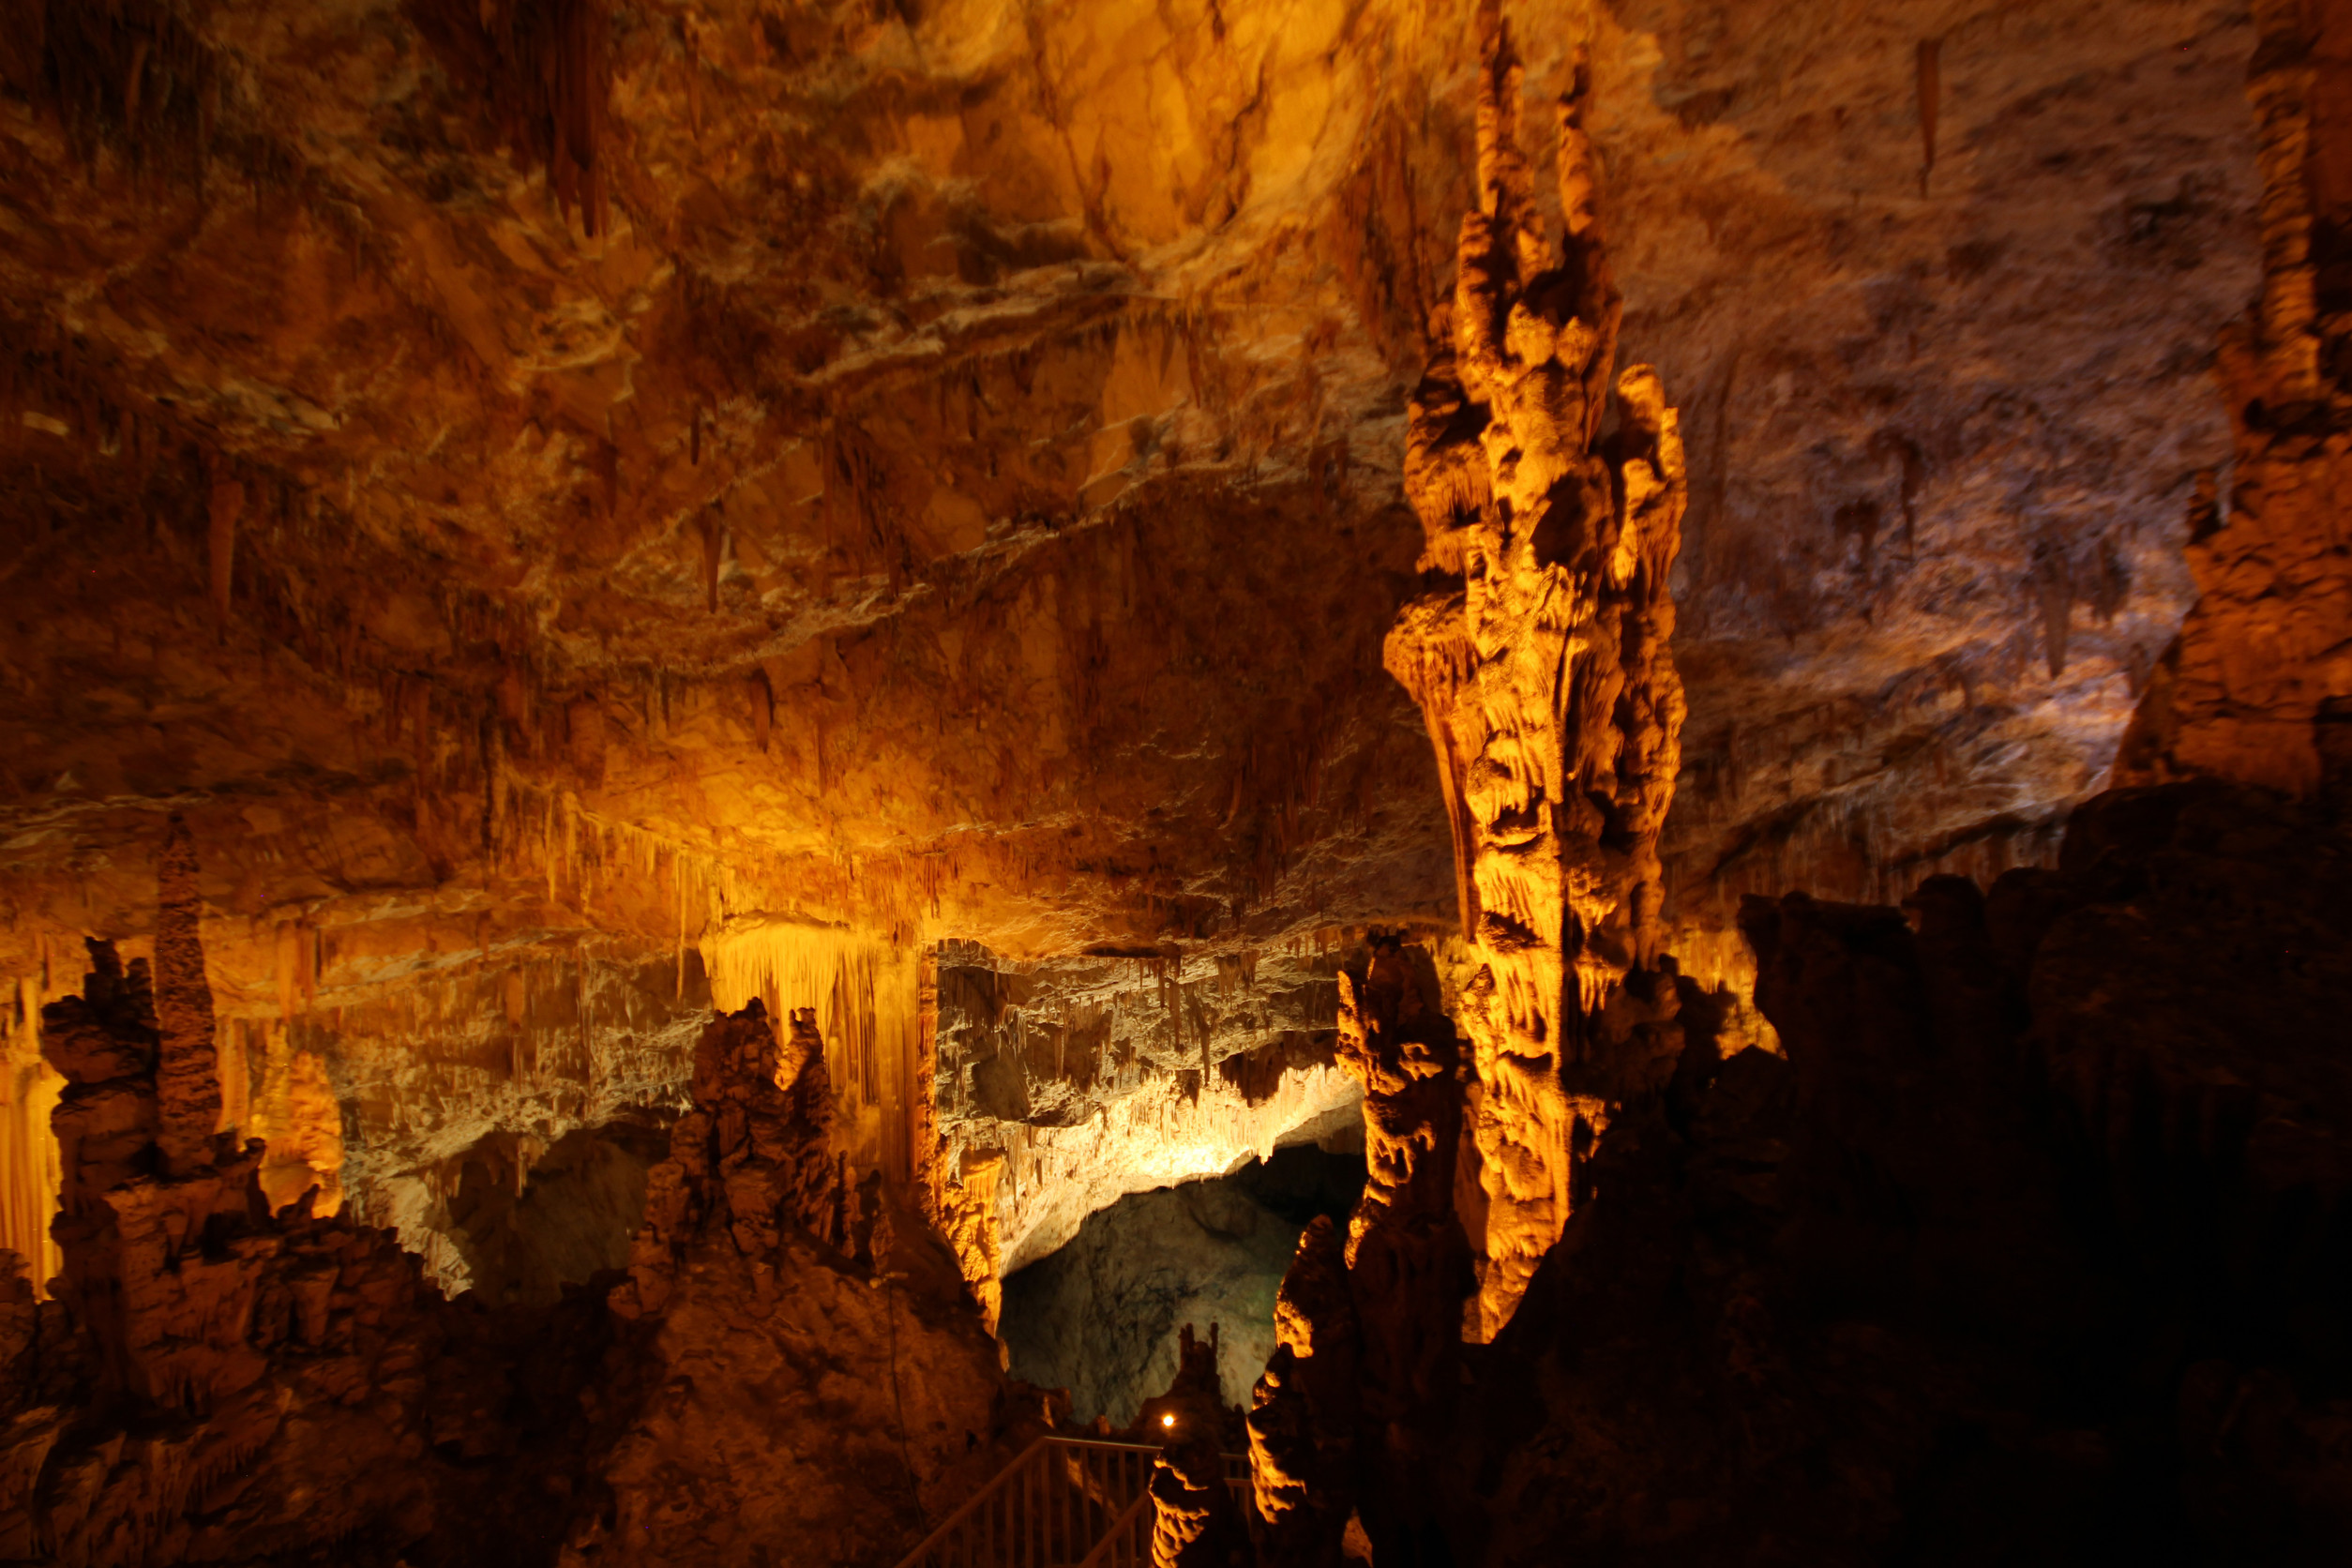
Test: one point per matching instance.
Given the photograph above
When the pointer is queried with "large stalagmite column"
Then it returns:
(1542, 664)
(2258, 686)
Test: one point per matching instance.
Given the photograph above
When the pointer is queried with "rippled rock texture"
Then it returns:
(1543, 659)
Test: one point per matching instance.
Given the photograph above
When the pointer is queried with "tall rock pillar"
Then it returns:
(1540, 662)
(2258, 686)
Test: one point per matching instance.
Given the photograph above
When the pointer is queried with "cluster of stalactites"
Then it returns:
(1541, 664)
(2257, 688)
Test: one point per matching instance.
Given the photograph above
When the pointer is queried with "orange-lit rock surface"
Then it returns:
(257, 1382)
(216, 1382)
(1305, 1410)
(1542, 662)
(1357, 1399)
(596, 514)
(2258, 686)
(813, 1370)
(937, 473)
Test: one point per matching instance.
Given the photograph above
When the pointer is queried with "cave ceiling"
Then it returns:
(525, 477)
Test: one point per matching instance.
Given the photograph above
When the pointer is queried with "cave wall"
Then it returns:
(1064, 1085)
(1945, 423)
(933, 472)
(593, 511)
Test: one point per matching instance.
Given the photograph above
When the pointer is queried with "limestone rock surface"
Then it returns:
(937, 471)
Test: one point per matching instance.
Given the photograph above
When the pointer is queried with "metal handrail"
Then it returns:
(1122, 1533)
(1032, 1541)
(1033, 1514)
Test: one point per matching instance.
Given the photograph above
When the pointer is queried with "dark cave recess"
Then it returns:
(1101, 1316)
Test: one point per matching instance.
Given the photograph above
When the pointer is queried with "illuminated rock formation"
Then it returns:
(1305, 1412)
(272, 1372)
(1351, 1412)
(1196, 1522)
(1018, 581)
(187, 1075)
(752, 1158)
(1543, 667)
(2258, 686)
(1408, 1261)
(1053, 1089)
(758, 1268)
(219, 1382)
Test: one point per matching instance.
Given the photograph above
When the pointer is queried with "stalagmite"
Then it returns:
(187, 1081)
(1304, 1411)
(1349, 1411)
(2257, 688)
(1194, 1521)
(1542, 666)
(239, 1346)
(754, 1156)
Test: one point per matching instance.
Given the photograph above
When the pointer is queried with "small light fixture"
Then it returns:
(1169, 1420)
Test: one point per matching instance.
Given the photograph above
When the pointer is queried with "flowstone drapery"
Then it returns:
(1541, 664)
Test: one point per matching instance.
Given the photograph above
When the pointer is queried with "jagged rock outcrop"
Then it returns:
(1196, 1522)
(1305, 1412)
(1542, 666)
(753, 1157)
(186, 1073)
(2257, 688)
(216, 1382)
(1363, 1431)
(1408, 1259)
(819, 1383)
(248, 1383)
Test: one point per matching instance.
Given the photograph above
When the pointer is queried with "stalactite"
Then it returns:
(862, 992)
(30, 1172)
(227, 504)
(541, 73)
(1929, 80)
(1541, 667)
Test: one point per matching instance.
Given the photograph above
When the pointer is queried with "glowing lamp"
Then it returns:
(1169, 1420)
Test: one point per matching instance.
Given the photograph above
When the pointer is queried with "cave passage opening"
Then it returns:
(1101, 1316)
